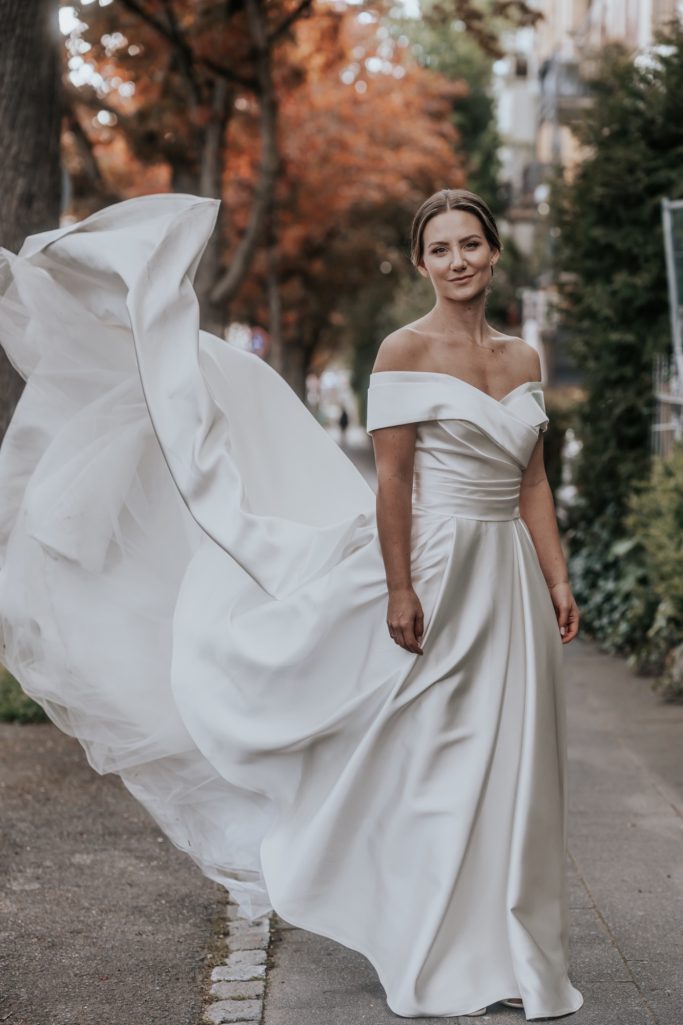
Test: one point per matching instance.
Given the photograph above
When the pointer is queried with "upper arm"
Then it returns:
(395, 452)
(534, 472)
(395, 446)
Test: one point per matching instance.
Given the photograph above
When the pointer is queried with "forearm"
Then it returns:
(537, 509)
(394, 524)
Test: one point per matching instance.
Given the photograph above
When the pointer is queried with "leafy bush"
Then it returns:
(612, 588)
(656, 519)
(15, 705)
(630, 590)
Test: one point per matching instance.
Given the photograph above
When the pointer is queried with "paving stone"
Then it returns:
(233, 1011)
(247, 957)
(244, 925)
(238, 972)
(248, 941)
(238, 990)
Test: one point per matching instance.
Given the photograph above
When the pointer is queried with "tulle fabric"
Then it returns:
(95, 536)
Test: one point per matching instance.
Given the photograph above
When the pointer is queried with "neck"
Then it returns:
(461, 323)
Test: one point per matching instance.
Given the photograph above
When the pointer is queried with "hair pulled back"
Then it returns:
(452, 199)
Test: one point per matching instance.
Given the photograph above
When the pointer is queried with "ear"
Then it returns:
(495, 257)
(423, 270)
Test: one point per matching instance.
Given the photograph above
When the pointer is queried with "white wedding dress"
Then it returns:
(192, 585)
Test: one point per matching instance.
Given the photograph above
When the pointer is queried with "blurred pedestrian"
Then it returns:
(343, 424)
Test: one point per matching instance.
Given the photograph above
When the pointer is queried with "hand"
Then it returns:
(405, 619)
(566, 610)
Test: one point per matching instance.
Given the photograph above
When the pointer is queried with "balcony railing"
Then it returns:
(564, 93)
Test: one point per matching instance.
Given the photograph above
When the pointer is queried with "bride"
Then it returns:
(344, 706)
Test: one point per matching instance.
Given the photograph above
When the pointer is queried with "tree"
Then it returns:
(614, 309)
(30, 172)
(611, 270)
(483, 20)
(366, 135)
(169, 75)
(363, 131)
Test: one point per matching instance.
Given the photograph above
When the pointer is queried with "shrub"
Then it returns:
(612, 588)
(655, 519)
(15, 705)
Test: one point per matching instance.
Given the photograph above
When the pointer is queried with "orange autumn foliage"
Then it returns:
(356, 163)
(365, 133)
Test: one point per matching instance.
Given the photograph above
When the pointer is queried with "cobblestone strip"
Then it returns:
(238, 984)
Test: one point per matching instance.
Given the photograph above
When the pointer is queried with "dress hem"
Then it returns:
(310, 926)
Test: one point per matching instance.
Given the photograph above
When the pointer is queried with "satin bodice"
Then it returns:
(470, 449)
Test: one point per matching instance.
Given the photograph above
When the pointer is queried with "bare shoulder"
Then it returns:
(398, 351)
(523, 356)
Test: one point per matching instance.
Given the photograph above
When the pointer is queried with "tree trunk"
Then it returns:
(276, 358)
(214, 315)
(226, 287)
(295, 363)
(30, 114)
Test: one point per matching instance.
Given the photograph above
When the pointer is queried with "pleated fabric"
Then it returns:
(191, 584)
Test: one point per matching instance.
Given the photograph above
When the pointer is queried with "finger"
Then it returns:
(411, 633)
(418, 628)
(406, 638)
(411, 642)
(400, 637)
(573, 625)
(570, 631)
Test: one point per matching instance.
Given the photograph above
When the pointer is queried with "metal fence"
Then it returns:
(668, 389)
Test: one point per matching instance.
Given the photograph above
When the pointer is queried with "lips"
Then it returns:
(456, 281)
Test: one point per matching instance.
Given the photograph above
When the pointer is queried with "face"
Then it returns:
(455, 247)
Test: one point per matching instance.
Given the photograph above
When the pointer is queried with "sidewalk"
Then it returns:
(625, 870)
(103, 921)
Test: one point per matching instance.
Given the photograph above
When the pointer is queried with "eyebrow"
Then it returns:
(464, 239)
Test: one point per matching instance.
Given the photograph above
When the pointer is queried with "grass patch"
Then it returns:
(15, 705)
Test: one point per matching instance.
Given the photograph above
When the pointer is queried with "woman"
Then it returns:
(194, 584)
(457, 470)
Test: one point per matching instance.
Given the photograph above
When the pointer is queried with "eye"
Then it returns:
(475, 244)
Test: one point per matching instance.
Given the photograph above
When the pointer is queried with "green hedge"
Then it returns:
(630, 590)
(655, 519)
(15, 705)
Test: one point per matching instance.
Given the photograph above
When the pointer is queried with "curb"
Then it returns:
(238, 983)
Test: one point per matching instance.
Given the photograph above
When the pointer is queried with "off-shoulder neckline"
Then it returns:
(460, 380)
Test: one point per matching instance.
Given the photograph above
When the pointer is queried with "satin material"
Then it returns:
(192, 585)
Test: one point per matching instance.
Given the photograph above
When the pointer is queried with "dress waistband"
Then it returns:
(447, 495)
